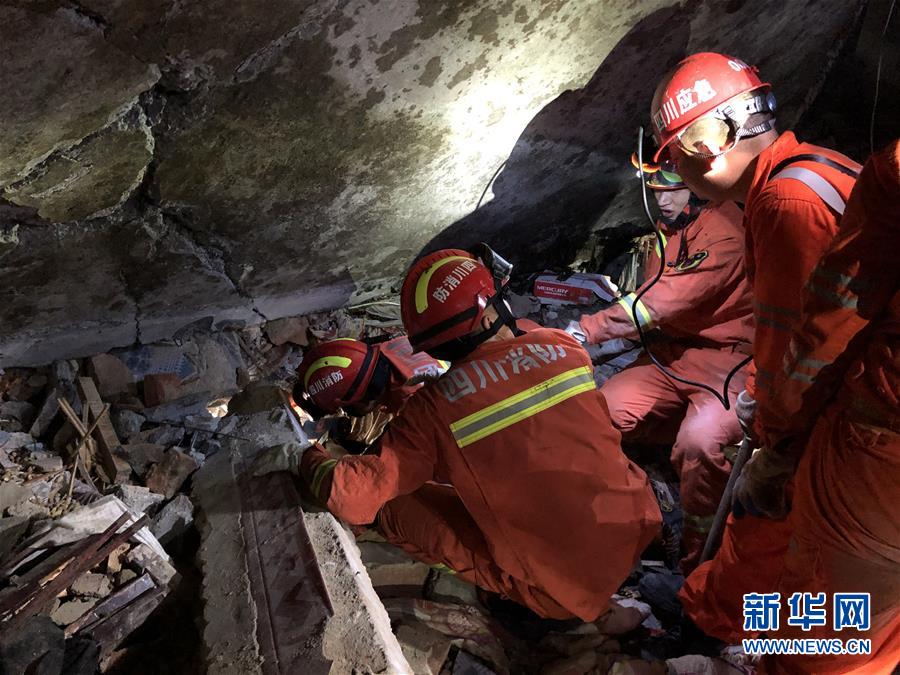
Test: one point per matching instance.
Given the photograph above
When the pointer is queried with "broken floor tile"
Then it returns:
(71, 610)
(169, 474)
(138, 498)
(173, 520)
(92, 585)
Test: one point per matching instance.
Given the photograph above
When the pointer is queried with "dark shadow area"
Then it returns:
(573, 157)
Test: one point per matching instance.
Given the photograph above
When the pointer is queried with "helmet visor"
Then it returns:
(709, 137)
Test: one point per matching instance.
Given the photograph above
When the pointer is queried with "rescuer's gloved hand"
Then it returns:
(576, 331)
(745, 409)
(356, 434)
(761, 489)
(282, 457)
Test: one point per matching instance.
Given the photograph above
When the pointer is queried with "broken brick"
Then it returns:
(127, 423)
(161, 388)
(174, 519)
(113, 377)
(168, 475)
(138, 498)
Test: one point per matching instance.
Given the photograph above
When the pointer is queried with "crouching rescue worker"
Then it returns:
(370, 383)
(536, 502)
(836, 409)
(715, 118)
(702, 306)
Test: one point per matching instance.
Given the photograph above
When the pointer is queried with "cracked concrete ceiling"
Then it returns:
(164, 162)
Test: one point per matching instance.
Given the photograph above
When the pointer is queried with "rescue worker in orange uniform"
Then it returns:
(702, 305)
(368, 382)
(714, 116)
(539, 503)
(836, 411)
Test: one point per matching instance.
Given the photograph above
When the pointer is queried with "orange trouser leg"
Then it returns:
(433, 526)
(846, 517)
(698, 454)
(750, 560)
(641, 398)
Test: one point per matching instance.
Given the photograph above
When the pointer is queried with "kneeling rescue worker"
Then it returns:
(369, 382)
(715, 117)
(702, 305)
(507, 469)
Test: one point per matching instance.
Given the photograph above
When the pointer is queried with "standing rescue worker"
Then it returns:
(369, 382)
(715, 117)
(541, 507)
(841, 382)
(702, 304)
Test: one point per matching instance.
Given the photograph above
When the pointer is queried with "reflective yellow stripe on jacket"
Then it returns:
(517, 407)
(640, 309)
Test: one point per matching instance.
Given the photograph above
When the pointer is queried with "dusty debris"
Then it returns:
(292, 329)
(392, 571)
(168, 475)
(11, 530)
(173, 520)
(92, 585)
(71, 610)
(139, 498)
(140, 456)
(16, 440)
(18, 414)
(127, 423)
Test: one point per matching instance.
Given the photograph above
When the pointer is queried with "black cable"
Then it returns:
(490, 182)
(721, 397)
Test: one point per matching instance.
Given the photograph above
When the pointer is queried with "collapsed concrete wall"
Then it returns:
(165, 162)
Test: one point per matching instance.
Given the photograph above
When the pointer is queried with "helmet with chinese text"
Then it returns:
(444, 297)
(704, 85)
(337, 373)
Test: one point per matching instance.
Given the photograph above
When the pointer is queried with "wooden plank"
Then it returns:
(112, 604)
(40, 594)
(111, 631)
(107, 440)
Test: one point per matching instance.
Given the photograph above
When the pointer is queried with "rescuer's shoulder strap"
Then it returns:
(814, 180)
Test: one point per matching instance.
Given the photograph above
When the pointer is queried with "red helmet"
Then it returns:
(699, 85)
(337, 373)
(444, 297)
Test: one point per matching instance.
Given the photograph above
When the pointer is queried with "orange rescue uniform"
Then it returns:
(542, 506)
(702, 303)
(788, 227)
(844, 361)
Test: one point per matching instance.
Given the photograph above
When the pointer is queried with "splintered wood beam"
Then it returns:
(107, 440)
